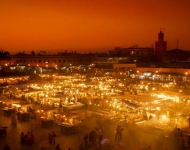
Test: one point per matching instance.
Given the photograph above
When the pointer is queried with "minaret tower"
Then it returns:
(160, 46)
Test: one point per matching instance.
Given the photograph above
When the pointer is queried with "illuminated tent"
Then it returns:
(133, 105)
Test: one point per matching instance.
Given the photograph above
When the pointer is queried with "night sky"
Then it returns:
(91, 25)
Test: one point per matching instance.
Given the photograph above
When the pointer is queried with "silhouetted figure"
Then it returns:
(86, 140)
(81, 146)
(22, 138)
(14, 119)
(50, 138)
(92, 136)
(7, 147)
(57, 147)
(53, 138)
(118, 135)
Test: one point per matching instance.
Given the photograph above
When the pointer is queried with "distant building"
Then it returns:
(177, 55)
(55, 60)
(140, 56)
(132, 54)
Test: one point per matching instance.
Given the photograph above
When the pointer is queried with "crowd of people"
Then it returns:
(118, 135)
(51, 138)
(95, 140)
(182, 138)
(27, 138)
(52, 141)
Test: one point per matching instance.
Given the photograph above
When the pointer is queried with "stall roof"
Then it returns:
(10, 101)
(33, 91)
(131, 104)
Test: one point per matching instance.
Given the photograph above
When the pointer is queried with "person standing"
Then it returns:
(32, 138)
(7, 147)
(57, 147)
(22, 138)
(92, 136)
(100, 134)
(53, 138)
(189, 121)
(14, 119)
(50, 138)
(60, 106)
(118, 135)
(82, 146)
(86, 140)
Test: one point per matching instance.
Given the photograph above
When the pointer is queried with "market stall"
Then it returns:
(45, 122)
(9, 106)
(69, 123)
(25, 111)
(68, 129)
(72, 106)
(8, 102)
(8, 111)
(45, 118)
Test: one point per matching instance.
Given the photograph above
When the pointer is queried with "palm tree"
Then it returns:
(6, 54)
(33, 53)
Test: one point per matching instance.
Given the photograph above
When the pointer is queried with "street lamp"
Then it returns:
(137, 73)
(186, 74)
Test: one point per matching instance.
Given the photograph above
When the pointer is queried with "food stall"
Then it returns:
(69, 122)
(44, 117)
(25, 111)
(72, 106)
(21, 108)
(9, 106)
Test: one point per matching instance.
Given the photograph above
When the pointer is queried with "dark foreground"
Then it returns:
(134, 137)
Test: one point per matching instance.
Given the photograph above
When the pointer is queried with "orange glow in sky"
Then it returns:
(91, 25)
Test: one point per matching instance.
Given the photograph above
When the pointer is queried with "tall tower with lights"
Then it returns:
(160, 46)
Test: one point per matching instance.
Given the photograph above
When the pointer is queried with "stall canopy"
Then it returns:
(130, 104)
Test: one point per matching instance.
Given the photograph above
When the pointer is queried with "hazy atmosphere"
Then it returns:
(91, 25)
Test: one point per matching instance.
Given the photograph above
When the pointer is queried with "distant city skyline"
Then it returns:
(92, 26)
